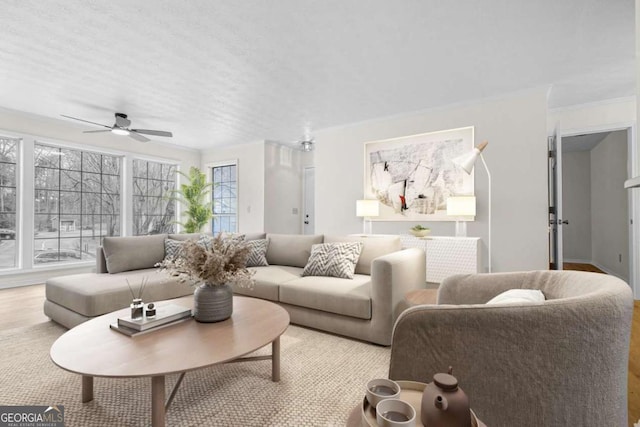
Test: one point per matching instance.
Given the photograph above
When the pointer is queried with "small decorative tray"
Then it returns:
(411, 392)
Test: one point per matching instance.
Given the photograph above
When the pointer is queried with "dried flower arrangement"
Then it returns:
(218, 262)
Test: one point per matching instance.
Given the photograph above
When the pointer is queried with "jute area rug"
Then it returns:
(322, 379)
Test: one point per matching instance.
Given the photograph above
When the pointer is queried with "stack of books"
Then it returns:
(166, 315)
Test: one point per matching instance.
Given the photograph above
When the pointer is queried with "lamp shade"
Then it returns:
(461, 206)
(467, 160)
(367, 208)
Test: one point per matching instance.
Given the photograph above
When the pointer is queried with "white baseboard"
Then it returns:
(579, 261)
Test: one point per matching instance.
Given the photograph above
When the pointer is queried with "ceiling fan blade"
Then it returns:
(96, 131)
(122, 121)
(86, 121)
(153, 132)
(135, 135)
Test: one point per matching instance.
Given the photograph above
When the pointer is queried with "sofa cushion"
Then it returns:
(94, 294)
(333, 259)
(184, 236)
(290, 249)
(348, 297)
(254, 236)
(258, 255)
(133, 253)
(267, 281)
(373, 247)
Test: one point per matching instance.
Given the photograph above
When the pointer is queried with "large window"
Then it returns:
(8, 199)
(224, 198)
(153, 182)
(77, 203)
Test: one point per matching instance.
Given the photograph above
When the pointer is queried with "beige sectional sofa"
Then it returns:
(364, 307)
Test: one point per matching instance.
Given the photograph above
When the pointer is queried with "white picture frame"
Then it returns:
(418, 169)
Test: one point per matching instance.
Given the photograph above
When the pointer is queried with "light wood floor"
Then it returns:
(23, 307)
(581, 267)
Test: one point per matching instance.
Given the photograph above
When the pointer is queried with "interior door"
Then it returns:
(555, 202)
(308, 226)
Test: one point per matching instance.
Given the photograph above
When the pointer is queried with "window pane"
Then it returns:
(224, 198)
(46, 201)
(110, 165)
(140, 168)
(92, 162)
(69, 222)
(71, 159)
(152, 185)
(8, 202)
(69, 203)
(140, 186)
(110, 204)
(91, 182)
(111, 184)
(47, 178)
(7, 175)
(91, 203)
(47, 156)
(70, 180)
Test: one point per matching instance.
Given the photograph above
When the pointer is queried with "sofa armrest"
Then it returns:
(392, 276)
(101, 261)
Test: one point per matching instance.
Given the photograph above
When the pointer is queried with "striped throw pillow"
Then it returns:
(333, 259)
(258, 255)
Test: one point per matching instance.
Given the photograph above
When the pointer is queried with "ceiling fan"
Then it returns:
(121, 127)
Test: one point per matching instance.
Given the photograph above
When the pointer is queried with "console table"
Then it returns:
(447, 256)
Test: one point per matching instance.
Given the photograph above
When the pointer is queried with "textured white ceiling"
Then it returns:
(237, 71)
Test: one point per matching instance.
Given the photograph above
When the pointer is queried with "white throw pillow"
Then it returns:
(518, 296)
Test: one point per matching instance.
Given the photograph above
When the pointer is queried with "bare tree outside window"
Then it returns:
(8, 198)
(153, 182)
(77, 203)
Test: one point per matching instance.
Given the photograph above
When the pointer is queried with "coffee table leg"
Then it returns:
(157, 401)
(87, 389)
(275, 360)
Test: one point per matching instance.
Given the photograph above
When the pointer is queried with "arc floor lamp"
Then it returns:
(466, 162)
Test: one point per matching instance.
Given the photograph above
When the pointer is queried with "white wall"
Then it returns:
(576, 206)
(516, 130)
(609, 208)
(250, 158)
(592, 116)
(283, 188)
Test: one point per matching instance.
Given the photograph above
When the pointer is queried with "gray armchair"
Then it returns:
(563, 362)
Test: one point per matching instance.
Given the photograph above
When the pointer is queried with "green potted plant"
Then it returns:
(194, 195)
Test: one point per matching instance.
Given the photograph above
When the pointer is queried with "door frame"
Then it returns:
(633, 197)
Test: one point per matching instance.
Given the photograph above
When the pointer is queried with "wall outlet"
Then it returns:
(294, 211)
(619, 257)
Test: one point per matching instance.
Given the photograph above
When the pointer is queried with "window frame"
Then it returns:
(17, 237)
(210, 178)
(120, 204)
(176, 165)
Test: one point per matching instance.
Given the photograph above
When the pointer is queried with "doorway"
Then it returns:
(593, 227)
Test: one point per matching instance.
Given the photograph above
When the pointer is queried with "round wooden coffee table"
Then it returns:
(92, 349)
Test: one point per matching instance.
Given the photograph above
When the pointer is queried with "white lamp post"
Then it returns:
(466, 162)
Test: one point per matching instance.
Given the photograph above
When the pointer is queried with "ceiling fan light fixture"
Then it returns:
(120, 131)
(307, 145)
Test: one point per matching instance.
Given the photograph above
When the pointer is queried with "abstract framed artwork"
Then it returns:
(413, 176)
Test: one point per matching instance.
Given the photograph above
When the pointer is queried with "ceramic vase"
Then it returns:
(212, 303)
